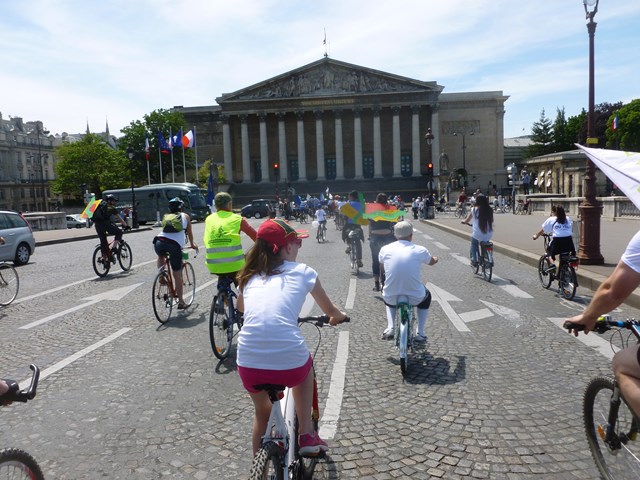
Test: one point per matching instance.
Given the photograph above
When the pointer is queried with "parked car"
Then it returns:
(19, 243)
(260, 208)
(74, 221)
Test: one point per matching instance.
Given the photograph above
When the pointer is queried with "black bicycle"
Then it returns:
(116, 251)
(17, 464)
(222, 316)
(610, 425)
(485, 261)
(564, 273)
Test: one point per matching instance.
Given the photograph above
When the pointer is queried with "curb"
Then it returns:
(54, 241)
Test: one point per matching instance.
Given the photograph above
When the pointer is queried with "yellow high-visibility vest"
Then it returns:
(222, 241)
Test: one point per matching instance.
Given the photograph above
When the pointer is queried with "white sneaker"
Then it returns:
(387, 334)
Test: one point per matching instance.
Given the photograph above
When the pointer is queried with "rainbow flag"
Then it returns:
(377, 212)
(90, 208)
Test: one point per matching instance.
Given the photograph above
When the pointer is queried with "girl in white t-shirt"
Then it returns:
(271, 349)
(560, 227)
(481, 217)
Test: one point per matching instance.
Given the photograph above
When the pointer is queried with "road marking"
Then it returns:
(351, 296)
(76, 356)
(441, 246)
(443, 298)
(593, 340)
(62, 287)
(115, 294)
(498, 281)
(331, 414)
(476, 315)
(427, 237)
(504, 312)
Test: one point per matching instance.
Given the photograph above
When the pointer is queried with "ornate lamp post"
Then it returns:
(40, 130)
(429, 136)
(590, 211)
(464, 153)
(134, 213)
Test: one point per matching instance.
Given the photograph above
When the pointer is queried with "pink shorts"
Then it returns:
(288, 378)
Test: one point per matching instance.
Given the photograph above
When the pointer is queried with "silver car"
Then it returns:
(19, 243)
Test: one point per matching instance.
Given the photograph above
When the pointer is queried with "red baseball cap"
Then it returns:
(278, 233)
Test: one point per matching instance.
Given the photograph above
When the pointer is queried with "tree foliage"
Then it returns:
(560, 132)
(90, 162)
(541, 136)
(627, 135)
(203, 173)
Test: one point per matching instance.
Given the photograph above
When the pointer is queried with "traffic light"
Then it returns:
(276, 170)
(512, 172)
(429, 169)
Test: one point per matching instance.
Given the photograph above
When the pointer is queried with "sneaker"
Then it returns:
(387, 334)
(311, 445)
(376, 287)
(348, 250)
(360, 264)
(420, 338)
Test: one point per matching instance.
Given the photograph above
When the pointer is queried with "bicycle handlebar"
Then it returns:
(319, 320)
(24, 395)
(603, 324)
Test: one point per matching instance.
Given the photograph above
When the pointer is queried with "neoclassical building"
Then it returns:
(331, 121)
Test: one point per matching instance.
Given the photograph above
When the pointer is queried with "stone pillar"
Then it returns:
(246, 158)
(435, 145)
(377, 144)
(282, 148)
(415, 140)
(302, 161)
(226, 147)
(264, 150)
(396, 141)
(357, 140)
(320, 146)
(339, 146)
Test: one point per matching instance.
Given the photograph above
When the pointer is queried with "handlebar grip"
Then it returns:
(573, 326)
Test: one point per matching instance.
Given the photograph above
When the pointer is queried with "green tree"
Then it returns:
(627, 135)
(90, 162)
(203, 173)
(163, 121)
(560, 133)
(541, 136)
(577, 129)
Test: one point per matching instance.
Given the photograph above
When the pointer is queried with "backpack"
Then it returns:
(100, 214)
(172, 223)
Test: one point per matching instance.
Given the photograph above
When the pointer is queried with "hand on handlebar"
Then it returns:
(333, 321)
(8, 390)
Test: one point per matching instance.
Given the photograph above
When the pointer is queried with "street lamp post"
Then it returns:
(134, 213)
(464, 153)
(429, 137)
(41, 130)
(590, 211)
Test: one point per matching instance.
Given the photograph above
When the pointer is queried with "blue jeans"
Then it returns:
(475, 249)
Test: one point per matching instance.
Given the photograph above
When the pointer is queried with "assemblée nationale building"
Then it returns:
(331, 123)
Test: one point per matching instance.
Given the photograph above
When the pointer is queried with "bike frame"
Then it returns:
(403, 326)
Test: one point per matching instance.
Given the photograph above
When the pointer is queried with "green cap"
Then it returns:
(222, 199)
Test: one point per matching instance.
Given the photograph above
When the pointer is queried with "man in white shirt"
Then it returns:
(400, 262)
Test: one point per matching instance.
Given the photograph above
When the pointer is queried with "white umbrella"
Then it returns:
(622, 168)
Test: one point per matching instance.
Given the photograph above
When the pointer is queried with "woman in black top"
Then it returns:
(380, 234)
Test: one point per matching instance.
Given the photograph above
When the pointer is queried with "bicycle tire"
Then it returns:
(162, 297)
(9, 284)
(621, 462)
(487, 267)
(125, 256)
(319, 234)
(101, 268)
(304, 467)
(267, 464)
(324, 233)
(567, 281)
(353, 257)
(545, 277)
(188, 283)
(218, 325)
(403, 341)
(18, 464)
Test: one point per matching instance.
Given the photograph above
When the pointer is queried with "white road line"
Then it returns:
(443, 298)
(441, 246)
(351, 296)
(427, 237)
(72, 358)
(476, 315)
(593, 340)
(331, 414)
(498, 281)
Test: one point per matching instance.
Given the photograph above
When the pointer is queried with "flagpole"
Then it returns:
(184, 165)
(173, 170)
(160, 158)
(195, 149)
(148, 173)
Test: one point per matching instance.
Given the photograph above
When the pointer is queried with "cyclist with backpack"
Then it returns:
(103, 217)
(176, 228)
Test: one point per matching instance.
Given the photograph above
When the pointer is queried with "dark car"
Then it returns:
(260, 208)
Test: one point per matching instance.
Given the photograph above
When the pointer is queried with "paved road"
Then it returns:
(496, 393)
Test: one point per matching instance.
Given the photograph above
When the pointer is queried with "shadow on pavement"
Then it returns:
(424, 369)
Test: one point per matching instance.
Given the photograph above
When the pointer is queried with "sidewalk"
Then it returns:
(512, 237)
(50, 237)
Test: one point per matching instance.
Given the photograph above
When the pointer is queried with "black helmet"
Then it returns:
(175, 204)
(109, 198)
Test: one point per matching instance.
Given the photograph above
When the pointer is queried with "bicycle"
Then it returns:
(610, 425)
(163, 292)
(485, 261)
(353, 252)
(321, 236)
(339, 221)
(403, 331)
(115, 251)
(461, 210)
(279, 457)
(9, 284)
(222, 316)
(15, 463)
(566, 271)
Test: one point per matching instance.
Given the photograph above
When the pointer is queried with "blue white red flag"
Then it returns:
(614, 125)
(189, 140)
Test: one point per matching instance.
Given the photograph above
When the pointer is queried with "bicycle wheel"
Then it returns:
(18, 464)
(403, 340)
(319, 234)
(99, 266)
(567, 281)
(9, 284)
(353, 258)
(267, 464)
(324, 233)
(619, 458)
(218, 326)
(125, 257)
(545, 277)
(188, 283)
(487, 268)
(162, 297)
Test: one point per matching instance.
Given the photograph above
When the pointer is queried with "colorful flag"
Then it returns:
(90, 208)
(614, 126)
(147, 154)
(177, 140)
(188, 140)
(162, 144)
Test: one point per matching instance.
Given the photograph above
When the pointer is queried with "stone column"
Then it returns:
(246, 159)
(377, 144)
(302, 161)
(435, 145)
(282, 148)
(226, 147)
(320, 146)
(339, 146)
(357, 140)
(396, 141)
(264, 150)
(415, 140)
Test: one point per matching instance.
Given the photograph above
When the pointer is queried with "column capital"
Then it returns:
(376, 110)
(338, 113)
(262, 116)
(224, 118)
(415, 109)
(280, 115)
(357, 112)
(318, 114)
(244, 117)
(300, 114)
(396, 110)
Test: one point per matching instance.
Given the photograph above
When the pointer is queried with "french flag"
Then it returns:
(147, 154)
(614, 125)
(188, 140)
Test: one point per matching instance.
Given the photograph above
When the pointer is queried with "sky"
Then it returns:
(72, 62)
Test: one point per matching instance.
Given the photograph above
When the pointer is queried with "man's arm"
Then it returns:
(248, 229)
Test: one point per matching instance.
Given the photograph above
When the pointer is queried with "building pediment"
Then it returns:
(329, 78)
